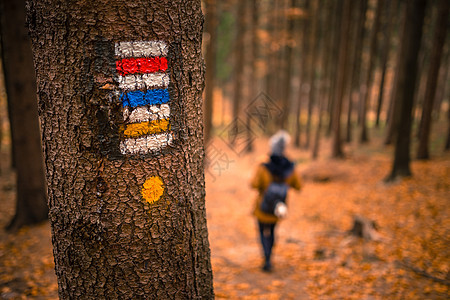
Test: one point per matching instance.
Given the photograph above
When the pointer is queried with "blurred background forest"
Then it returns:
(319, 61)
(363, 88)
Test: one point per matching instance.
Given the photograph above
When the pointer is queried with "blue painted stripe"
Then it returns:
(140, 98)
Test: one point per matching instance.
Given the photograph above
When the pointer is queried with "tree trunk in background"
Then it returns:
(270, 52)
(211, 25)
(31, 202)
(432, 78)
(387, 29)
(334, 60)
(303, 70)
(124, 155)
(406, 76)
(326, 19)
(2, 96)
(316, 146)
(341, 80)
(393, 114)
(443, 82)
(370, 72)
(281, 63)
(289, 59)
(328, 64)
(360, 31)
(447, 142)
(422, 67)
(238, 64)
(253, 74)
(314, 41)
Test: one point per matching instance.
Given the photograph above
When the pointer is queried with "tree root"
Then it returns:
(407, 265)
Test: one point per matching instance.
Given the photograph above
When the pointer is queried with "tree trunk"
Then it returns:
(334, 60)
(385, 56)
(406, 76)
(370, 72)
(31, 202)
(341, 80)
(253, 74)
(447, 142)
(326, 19)
(443, 82)
(211, 25)
(238, 65)
(289, 58)
(314, 40)
(393, 114)
(120, 99)
(270, 52)
(281, 62)
(357, 58)
(303, 71)
(433, 72)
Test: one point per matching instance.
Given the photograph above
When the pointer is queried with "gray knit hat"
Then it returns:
(278, 142)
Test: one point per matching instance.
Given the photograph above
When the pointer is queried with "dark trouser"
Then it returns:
(267, 234)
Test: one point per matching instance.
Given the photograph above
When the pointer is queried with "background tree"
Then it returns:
(303, 67)
(314, 41)
(386, 45)
(447, 141)
(336, 31)
(239, 63)
(288, 59)
(31, 203)
(406, 80)
(432, 80)
(394, 110)
(370, 72)
(211, 26)
(360, 31)
(337, 151)
(253, 76)
(127, 217)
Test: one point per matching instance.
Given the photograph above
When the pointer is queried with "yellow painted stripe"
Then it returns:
(145, 128)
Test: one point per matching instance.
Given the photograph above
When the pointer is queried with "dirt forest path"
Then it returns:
(314, 257)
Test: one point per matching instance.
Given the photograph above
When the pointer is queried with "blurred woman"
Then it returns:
(281, 170)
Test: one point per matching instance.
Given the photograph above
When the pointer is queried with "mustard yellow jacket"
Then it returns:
(261, 182)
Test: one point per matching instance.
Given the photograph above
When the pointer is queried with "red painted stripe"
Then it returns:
(141, 65)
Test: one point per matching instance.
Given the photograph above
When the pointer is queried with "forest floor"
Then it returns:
(314, 256)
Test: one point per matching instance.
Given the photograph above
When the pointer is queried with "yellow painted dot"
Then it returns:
(152, 189)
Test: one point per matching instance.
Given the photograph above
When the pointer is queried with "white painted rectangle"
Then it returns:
(146, 144)
(146, 113)
(141, 49)
(143, 81)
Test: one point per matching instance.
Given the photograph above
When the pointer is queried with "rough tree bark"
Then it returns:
(119, 89)
(31, 202)
(432, 78)
(406, 80)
